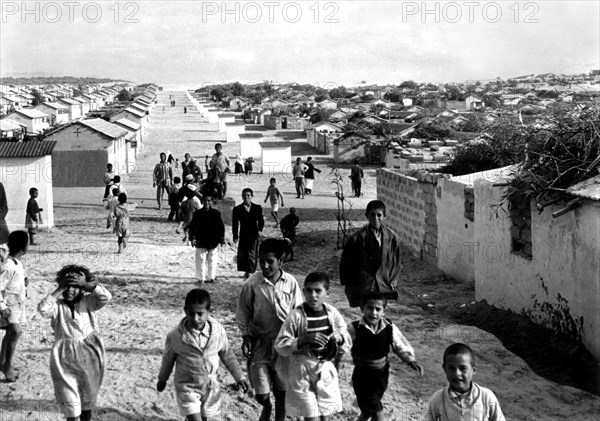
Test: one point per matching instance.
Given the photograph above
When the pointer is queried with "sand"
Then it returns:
(150, 279)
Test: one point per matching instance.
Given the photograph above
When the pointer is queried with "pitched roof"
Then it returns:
(30, 149)
(138, 106)
(135, 112)
(7, 124)
(54, 105)
(104, 127)
(68, 101)
(31, 113)
(128, 124)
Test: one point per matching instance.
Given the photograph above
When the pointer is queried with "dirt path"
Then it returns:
(150, 280)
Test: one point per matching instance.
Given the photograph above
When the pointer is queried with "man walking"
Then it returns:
(249, 218)
(162, 178)
(298, 172)
(220, 165)
(356, 175)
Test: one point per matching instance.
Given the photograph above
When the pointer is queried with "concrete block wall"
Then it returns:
(411, 210)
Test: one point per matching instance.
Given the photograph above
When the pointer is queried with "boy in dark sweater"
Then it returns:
(373, 337)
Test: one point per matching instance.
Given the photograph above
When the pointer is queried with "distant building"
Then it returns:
(84, 148)
(74, 107)
(35, 121)
(473, 103)
(24, 165)
(12, 130)
(58, 112)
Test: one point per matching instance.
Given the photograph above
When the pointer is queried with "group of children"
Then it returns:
(292, 339)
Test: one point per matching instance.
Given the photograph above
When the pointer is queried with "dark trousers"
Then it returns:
(369, 385)
(106, 191)
(356, 185)
(247, 254)
(174, 213)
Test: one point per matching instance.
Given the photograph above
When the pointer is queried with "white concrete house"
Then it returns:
(234, 130)
(12, 129)
(35, 120)
(74, 107)
(276, 157)
(558, 285)
(24, 165)
(59, 112)
(473, 102)
(223, 119)
(250, 145)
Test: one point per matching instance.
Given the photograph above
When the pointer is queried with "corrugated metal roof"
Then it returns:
(30, 149)
(104, 127)
(590, 188)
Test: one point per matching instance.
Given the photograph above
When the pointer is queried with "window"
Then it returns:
(520, 230)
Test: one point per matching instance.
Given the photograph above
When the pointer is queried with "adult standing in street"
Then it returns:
(249, 218)
(309, 175)
(220, 164)
(162, 178)
(184, 165)
(356, 175)
(3, 226)
(206, 232)
(298, 171)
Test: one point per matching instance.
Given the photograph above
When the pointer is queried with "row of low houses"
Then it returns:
(74, 155)
(60, 105)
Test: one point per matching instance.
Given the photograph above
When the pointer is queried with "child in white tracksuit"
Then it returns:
(312, 336)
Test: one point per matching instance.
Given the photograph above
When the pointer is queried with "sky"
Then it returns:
(189, 43)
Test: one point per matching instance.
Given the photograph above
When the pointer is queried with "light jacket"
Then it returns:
(195, 368)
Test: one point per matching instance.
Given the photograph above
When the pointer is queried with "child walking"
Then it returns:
(373, 337)
(275, 196)
(190, 205)
(111, 203)
(265, 301)
(288, 229)
(195, 347)
(122, 228)
(13, 284)
(33, 215)
(174, 199)
(310, 337)
(108, 180)
(463, 399)
(78, 355)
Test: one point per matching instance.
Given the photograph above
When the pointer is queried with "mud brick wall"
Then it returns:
(411, 210)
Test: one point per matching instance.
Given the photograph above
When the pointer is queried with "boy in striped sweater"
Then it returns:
(311, 336)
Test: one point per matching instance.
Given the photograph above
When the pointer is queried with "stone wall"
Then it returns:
(296, 123)
(273, 123)
(322, 142)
